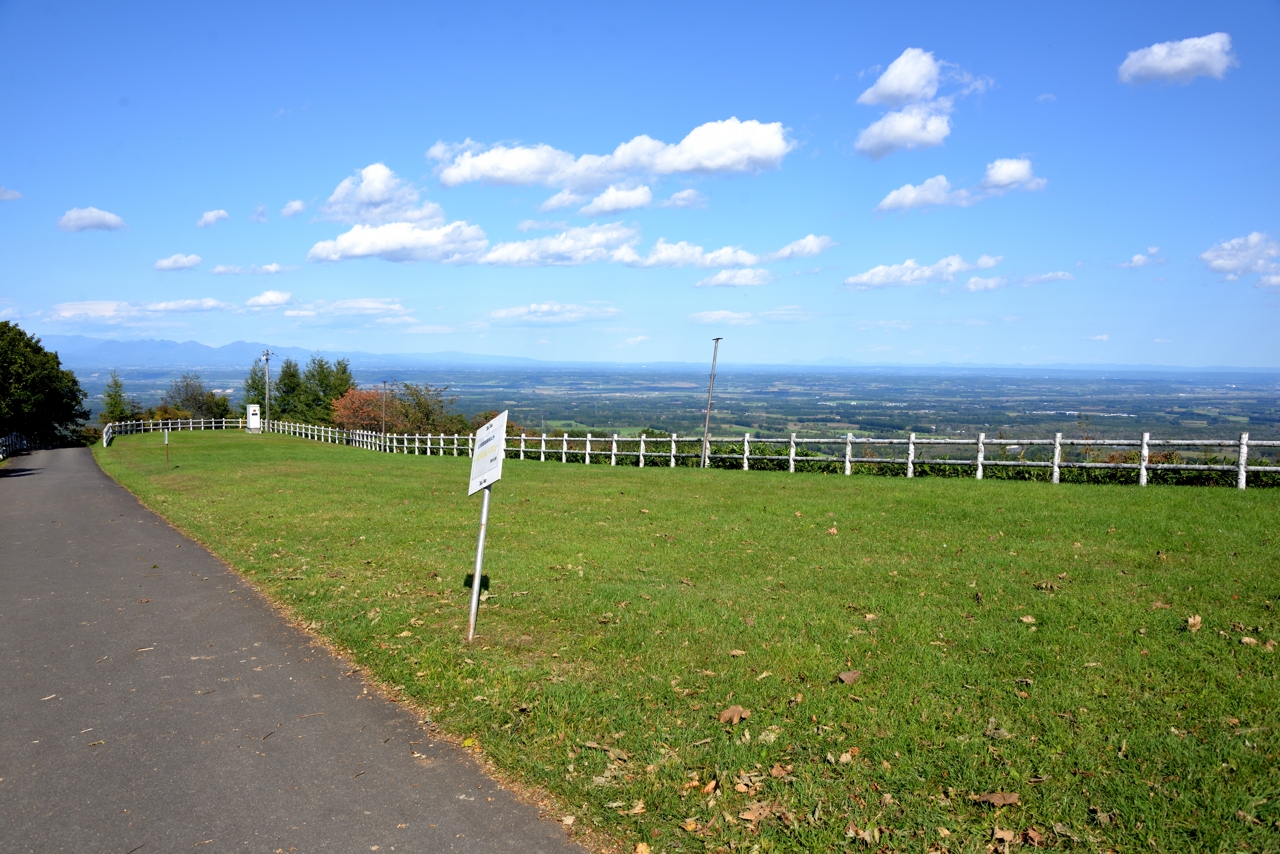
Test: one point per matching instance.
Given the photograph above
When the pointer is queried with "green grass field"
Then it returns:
(1011, 637)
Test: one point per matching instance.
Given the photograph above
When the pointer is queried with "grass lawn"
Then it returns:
(1009, 637)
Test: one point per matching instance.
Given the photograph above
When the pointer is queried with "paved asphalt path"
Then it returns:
(151, 704)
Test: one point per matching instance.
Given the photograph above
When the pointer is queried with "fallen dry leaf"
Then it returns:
(709, 788)
(869, 837)
(1247, 641)
(997, 799)
(1269, 646)
(779, 772)
(1028, 619)
(1157, 606)
(734, 714)
(1246, 818)
(832, 531)
(756, 812)
(642, 848)
(143, 601)
(689, 824)
(737, 652)
(1031, 837)
(943, 832)
(848, 677)
(999, 835)
(846, 758)
(868, 616)
(1061, 829)
(405, 634)
(568, 821)
(638, 809)
(994, 730)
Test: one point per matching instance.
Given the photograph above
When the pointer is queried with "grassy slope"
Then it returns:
(614, 625)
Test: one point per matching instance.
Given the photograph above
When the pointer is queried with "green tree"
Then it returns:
(322, 384)
(38, 398)
(287, 401)
(188, 394)
(116, 405)
(423, 409)
(255, 385)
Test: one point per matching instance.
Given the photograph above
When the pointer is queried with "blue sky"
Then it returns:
(999, 184)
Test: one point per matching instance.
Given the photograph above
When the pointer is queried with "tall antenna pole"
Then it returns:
(266, 418)
(384, 407)
(706, 430)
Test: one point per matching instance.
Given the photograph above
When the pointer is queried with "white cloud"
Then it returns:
(917, 126)
(428, 330)
(617, 198)
(296, 206)
(639, 339)
(788, 314)
(977, 283)
(259, 214)
(934, 191)
(1001, 177)
(911, 77)
(1047, 96)
(1010, 173)
(1254, 253)
(805, 247)
(570, 247)
(683, 254)
(685, 199)
(1180, 61)
(379, 197)
(208, 218)
(718, 147)
(1041, 278)
(541, 225)
(1099, 337)
(188, 305)
(723, 318)
(251, 270)
(89, 219)
(97, 310)
(562, 199)
(7, 195)
(1141, 260)
(269, 299)
(177, 262)
(737, 278)
(455, 243)
(910, 273)
(551, 312)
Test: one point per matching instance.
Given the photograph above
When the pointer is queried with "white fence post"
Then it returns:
(642, 450)
(542, 449)
(471, 445)
(791, 457)
(673, 450)
(911, 455)
(564, 448)
(522, 445)
(848, 454)
(982, 452)
(587, 456)
(1057, 455)
(1143, 457)
(746, 451)
(1242, 464)
(613, 451)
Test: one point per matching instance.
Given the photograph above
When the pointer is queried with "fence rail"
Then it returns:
(12, 444)
(670, 451)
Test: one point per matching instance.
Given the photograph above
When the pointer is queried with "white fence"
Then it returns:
(668, 451)
(12, 444)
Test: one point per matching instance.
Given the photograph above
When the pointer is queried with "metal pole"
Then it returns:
(706, 430)
(475, 579)
(384, 412)
(266, 401)
(166, 448)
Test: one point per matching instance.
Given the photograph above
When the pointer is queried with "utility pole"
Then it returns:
(706, 430)
(266, 417)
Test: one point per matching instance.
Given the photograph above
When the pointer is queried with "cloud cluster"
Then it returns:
(90, 219)
(209, 218)
(269, 299)
(378, 196)
(922, 119)
(910, 273)
(746, 277)
(177, 262)
(1254, 253)
(120, 312)
(1180, 61)
(618, 198)
(1141, 260)
(724, 317)
(251, 270)
(719, 147)
(570, 247)
(1002, 176)
(541, 313)
(296, 206)
(7, 195)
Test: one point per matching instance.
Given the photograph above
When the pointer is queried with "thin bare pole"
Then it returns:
(706, 430)
(384, 412)
(475, 579)
(266, 400)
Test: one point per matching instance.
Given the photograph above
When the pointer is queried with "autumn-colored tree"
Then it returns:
(361, 409)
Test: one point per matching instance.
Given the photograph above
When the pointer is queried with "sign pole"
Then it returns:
(166, 447)
(706, 431)
(475, 579)
(486, 470)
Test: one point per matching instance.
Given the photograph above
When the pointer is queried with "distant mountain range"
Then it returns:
(79, 351)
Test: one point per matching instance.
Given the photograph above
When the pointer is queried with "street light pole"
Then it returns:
(706, 430)
(266, 417)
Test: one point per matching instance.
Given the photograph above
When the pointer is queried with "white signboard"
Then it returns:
(491, 448)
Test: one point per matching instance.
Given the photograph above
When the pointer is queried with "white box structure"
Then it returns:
(253, 418)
